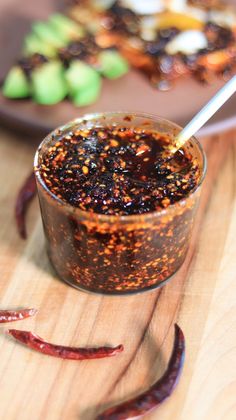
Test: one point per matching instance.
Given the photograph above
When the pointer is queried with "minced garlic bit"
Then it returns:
(187, 42)
(144, 7)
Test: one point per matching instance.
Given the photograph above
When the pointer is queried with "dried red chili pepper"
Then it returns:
(25, 195)
(161, 390)
(74, 353)
(10, 316)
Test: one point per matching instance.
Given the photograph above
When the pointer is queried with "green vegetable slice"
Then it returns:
(16, 84)
(32, 45)
(67, 28)
(84, 83)
(48, 83)
(87, 96)
(48, 35)
(112, 65)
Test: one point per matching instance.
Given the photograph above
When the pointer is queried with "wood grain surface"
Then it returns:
(201, 298)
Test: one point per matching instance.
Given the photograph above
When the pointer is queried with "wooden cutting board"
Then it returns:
(201, 298)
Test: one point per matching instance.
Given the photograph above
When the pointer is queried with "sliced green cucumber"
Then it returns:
(67, 28)
(48, 35)
(86, 96)
(32, 45)
(48, 83)
(84, 83)
(16, 84)
(111, 64)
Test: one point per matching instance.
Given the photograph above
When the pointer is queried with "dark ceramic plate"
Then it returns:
(132, 92)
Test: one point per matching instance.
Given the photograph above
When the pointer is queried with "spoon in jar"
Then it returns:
(203, 116)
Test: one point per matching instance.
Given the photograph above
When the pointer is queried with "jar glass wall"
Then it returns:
(117, 254)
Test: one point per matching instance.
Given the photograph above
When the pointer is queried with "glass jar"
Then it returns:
(117, 254)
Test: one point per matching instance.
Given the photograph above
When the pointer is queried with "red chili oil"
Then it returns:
(117, 171)
(119, 235)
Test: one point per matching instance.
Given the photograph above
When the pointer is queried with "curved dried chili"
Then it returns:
(10, 316)
(35, 342)
(154, 396)
(25, 195)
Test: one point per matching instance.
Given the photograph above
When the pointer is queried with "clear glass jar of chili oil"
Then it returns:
(117, 217)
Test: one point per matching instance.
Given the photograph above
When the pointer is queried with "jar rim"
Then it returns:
(86, 214)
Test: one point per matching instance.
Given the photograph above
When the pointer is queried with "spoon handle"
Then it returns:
(206, 113)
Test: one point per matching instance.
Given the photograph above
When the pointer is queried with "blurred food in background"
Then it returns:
(68, 55)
